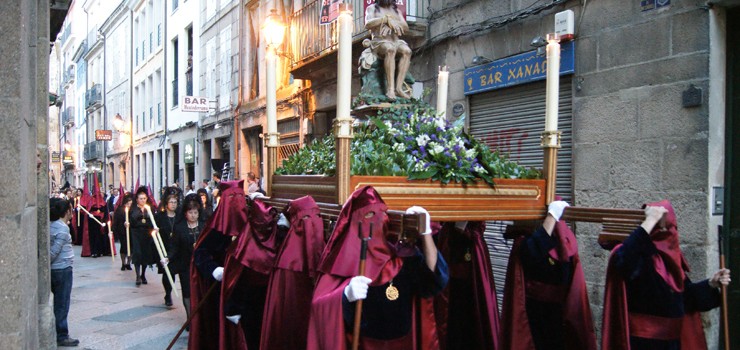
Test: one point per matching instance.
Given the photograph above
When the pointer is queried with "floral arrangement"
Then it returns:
(410, 140)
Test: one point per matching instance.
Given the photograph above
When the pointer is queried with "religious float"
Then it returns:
(412, 155)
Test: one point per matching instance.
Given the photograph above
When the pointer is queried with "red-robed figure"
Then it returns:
(649, 302)
(545, 299)
(288, 304)
(397, 286)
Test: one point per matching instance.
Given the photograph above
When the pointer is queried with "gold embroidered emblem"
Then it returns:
(391, 292)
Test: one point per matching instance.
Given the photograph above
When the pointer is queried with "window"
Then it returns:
(159, 34)
(143, 47)
(174, 5)
(159, 113)
(137, 57)
(151, 42)
(175, 71)
(151, 116)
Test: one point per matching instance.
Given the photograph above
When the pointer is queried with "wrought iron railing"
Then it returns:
(93, 150)
(308, 39)
(94, 95)
(68, 117)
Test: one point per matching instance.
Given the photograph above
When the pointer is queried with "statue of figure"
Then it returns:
(386, 24)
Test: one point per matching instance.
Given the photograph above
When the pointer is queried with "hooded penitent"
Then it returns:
(229, 220)
(288, 304)
(339, 263)
(619, 323)
(577, 328)
(85, 201)
(467, 310)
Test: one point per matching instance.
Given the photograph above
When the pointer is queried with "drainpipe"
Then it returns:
(164, 69)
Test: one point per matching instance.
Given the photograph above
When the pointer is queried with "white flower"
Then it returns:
(436, 149)
(440, 122)
(479, 169)
(419, 166)
(422, 140)
(399, 147)
(388, 123)
(470, 153)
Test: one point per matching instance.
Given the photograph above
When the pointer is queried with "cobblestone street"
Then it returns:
(109, 312)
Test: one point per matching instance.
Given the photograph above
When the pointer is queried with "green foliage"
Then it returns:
(409, 139)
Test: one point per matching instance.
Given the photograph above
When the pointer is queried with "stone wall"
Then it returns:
(633, 140)
(24, 273)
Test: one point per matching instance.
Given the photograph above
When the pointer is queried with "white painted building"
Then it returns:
(183, 40)
(148, 108)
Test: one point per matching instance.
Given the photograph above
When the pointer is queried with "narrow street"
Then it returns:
(109, 312)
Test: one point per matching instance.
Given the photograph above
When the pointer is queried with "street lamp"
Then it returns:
(67, 146)
(274, 32)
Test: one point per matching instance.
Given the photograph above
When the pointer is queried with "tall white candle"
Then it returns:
(344, 67)
(553, 82)
(442, 86)
(157, 237)
(271, 94)
(110, 238)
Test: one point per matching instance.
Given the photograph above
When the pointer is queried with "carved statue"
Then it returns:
(386, 24)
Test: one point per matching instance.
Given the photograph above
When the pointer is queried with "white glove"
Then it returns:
(165, 261)
(255, 195)
(357, 288)
(234, 318)
(283, 221)
(218, 273)
(427, 229)
(556, 209)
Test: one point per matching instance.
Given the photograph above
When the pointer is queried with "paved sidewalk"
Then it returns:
(109, 312)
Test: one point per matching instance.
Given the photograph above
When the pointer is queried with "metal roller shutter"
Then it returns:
(512, 121)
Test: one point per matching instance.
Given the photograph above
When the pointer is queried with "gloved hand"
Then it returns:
(556, 209)
(234, 318)
(218, 273)
(255, 195)
(427, 229)
(357, 288)
(165, 261)
(282, 220)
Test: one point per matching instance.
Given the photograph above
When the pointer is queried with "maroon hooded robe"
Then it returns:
(85, 200)
(578, 327)
(619, 323)
(97, 234)
(246, 274)
(467, 310)
(288, 304)
(339, 263)
(229, 220)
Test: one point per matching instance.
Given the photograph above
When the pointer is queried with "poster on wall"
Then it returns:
(400, 4)
(329, 11)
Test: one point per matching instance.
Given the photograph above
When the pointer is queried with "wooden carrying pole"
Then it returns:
(192, 314)
(725, 321)
(361, 272)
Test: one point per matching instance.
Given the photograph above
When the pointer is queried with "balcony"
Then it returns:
(94, 97)
(93, 151)
(68, 117)
(310, 42)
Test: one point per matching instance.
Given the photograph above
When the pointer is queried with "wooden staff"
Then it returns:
(160, 249)
(154, 223)
(725, 322)
(128, 235)
(91, 216)
(110, 238)
(358, 305)
(192, 314)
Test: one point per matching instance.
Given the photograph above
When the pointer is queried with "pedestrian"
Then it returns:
(143, 251)
(119, 230)
(180, 250)
(252, 184)
(216, 179)
(545, 298)
(207, 205)
(165, 219)
(650, 303)
(61, 258)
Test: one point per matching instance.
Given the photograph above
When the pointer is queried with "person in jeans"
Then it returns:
(62, 257)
